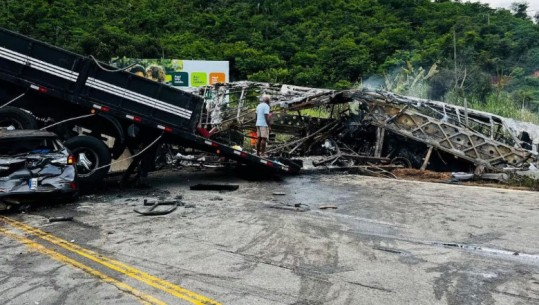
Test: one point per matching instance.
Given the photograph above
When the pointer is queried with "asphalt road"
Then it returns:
(387, 242)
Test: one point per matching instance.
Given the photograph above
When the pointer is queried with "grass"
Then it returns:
(502, 105)
(318, 112)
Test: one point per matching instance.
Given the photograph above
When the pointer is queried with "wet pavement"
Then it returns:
(387, 242)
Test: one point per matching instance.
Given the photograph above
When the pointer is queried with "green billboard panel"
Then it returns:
(199, 79)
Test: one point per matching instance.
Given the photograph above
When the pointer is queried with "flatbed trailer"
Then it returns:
(45, 85)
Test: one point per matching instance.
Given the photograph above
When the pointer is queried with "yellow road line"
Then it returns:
(120, 267)
(145, 298)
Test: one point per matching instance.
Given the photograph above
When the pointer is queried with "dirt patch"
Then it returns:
(430, 176)
(422, 175)
(498, 185)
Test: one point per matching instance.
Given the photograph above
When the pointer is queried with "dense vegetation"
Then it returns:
(402, 45)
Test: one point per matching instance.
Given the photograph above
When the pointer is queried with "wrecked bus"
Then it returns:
(363, 127)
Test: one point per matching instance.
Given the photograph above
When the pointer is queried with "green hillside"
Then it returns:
(322, 43)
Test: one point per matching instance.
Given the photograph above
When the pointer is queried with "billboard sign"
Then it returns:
(178, 72)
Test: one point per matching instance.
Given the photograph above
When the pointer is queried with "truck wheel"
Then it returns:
(16, 118)
(90, 154)
(407, 158)
(401, 161)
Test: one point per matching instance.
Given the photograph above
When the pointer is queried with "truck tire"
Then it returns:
(408, 158)
(18, 118)
(401, 161)
(90, 153)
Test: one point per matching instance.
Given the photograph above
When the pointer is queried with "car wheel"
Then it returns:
(13, 117)
(93, 159)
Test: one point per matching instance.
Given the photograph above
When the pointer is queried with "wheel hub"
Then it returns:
(84, 162)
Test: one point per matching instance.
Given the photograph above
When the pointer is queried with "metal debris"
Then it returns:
(214, 187)
(373, 128)
(61, 218)
(296, 207)
(154, 204)
(325, 207)
(161, 202)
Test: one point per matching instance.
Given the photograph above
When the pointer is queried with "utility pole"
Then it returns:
(466, 112)
(457, 77)
(455, 56)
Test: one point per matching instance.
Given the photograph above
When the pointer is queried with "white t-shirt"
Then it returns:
(261, 110)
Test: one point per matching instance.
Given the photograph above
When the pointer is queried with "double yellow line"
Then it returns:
(111, 264)
(146, 298)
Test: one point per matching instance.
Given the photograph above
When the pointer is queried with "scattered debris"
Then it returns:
(462, 176)
(216, 198)
(161, 202)
(60, 218)
(214, 187)
(500, 177)
(154, 204)
(325, 207)
(388, 250)
(4, 206)
(297, 207)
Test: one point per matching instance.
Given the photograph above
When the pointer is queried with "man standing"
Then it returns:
(262, 125)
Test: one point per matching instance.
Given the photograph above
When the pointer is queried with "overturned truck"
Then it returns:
(366, 127)
(99, 111)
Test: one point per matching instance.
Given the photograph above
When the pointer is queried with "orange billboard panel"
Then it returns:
(216, 77)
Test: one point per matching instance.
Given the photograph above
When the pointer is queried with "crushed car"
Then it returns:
(34, 165)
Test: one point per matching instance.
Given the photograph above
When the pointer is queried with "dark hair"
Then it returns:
(156, 73)
(138, 68)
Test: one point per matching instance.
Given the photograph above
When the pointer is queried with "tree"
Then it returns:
(520, 9)
(319, 43)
